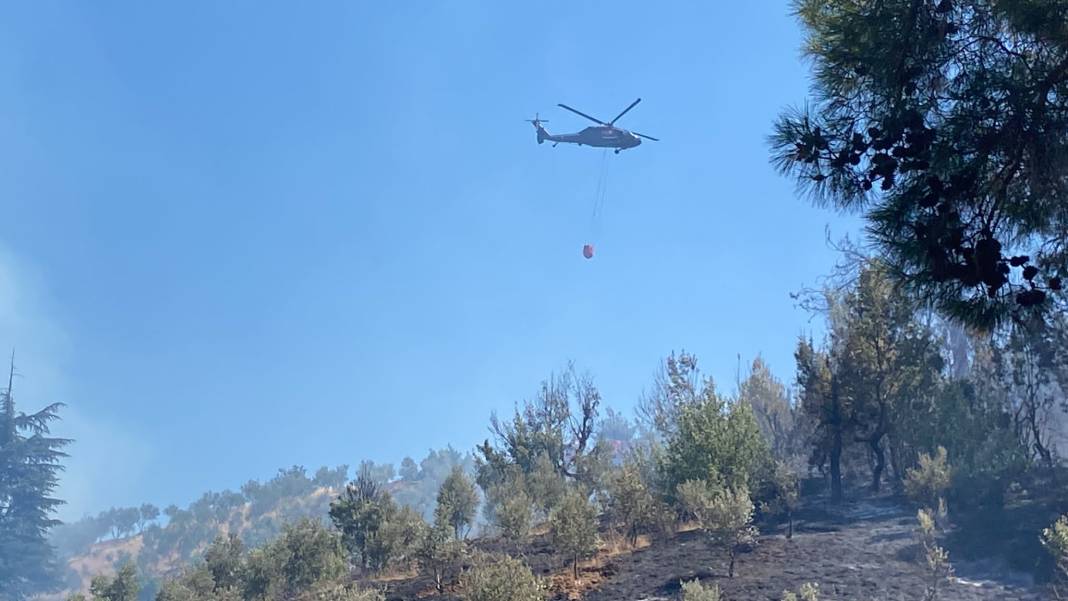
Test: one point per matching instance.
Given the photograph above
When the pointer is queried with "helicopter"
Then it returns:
(602, 135)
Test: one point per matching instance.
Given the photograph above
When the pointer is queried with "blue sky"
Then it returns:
(246, 235)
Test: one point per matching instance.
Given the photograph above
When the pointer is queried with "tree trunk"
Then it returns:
(574, 567)
(836, 468)
(789, 524)
(880, 462)
(730, 568)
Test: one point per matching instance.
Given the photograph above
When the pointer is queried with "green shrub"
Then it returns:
(927, 483)
(695, 591)
(935, 558)
(574, 528)
(514, 514)
(1055, 541)
(808, 592)
(123, 586)
(724, 514)
(502, 579)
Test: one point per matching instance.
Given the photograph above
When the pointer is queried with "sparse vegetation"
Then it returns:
(807, 592)
(935, 558)
(723, 512)
(695, 591)
(785, 495)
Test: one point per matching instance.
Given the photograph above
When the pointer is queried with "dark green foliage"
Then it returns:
(885, 358)
(573, 526)
(374, 530)
(29, 473)
(631, 505)
(439, 554)
(876, 373)
(714, 436)
(780, 421)
(513, 513)
(946, 124)
(305, 562)
(224, 559)
(305, 554)
(827, 407)
(784, 495)
(502, 579)
(359, 514)
(723, 512)
(558, 427)
(123, 586)
(457, 503)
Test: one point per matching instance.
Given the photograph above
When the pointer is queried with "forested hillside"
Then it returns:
(899, 422)
(161, 542)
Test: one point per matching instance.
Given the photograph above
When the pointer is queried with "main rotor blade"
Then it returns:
(564, 106)
(645, 136)
(613, 121)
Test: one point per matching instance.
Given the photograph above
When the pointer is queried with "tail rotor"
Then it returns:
(537, 121)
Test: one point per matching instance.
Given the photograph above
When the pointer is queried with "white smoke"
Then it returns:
(105, 459)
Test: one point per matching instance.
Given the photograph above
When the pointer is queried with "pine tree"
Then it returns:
(946, 125)
(29, 473)
(457, 502)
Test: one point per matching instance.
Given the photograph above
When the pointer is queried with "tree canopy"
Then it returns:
(946, 125)
(30, 463)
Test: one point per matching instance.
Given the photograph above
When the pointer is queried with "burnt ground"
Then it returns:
(863, 551)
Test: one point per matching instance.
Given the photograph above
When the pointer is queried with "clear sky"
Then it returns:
(245, 235)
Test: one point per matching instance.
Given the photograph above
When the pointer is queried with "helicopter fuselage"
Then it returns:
(603, 135)
(600, 136)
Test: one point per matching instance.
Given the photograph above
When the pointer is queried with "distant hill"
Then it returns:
(162, 543)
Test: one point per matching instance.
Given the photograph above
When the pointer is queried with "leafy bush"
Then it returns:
(574, 528)
(714, 436)
(514, 514)
(439, 554)
(123, 586)
(724, 514)
(927, 483)
(785, 492)
(631, 504)
(695, 591)
(502, 579)
(457, 503)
